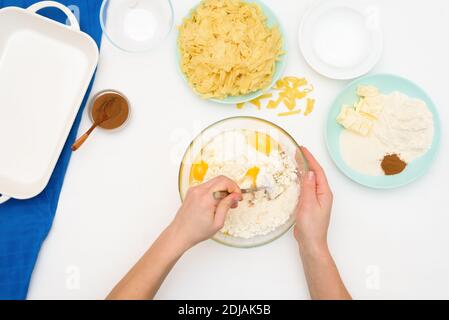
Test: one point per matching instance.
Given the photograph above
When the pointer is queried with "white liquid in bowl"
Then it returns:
(140, 24)
(136, 25)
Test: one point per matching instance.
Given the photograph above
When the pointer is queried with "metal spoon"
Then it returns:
(220, 195)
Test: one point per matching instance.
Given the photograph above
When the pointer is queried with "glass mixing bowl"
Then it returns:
(136, 25)
(288, 144)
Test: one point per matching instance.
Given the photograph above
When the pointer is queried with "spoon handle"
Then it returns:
(78, 143)
(220, 195)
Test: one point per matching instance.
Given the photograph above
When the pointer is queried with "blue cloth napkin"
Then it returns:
(24, 225)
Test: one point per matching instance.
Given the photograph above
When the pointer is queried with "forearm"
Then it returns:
(322, 275)
(145, 278)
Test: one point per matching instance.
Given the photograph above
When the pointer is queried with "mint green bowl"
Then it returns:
(280, 65)
(387, 83)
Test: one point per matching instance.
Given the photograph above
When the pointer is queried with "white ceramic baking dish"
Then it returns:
(45, 70)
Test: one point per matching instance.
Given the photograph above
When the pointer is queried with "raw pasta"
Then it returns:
(227, 49)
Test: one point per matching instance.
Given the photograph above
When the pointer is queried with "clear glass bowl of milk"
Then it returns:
(136, 25)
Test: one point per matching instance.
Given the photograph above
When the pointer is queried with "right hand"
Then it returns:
(314, 207)
(201, 216)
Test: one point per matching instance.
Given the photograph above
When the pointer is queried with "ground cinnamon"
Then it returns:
(117, 112)
(392, 164)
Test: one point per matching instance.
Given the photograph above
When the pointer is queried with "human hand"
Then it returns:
(314, 207)
(201, 216)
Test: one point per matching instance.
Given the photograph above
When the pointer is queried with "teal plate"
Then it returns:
(272, 21)
(387, 84)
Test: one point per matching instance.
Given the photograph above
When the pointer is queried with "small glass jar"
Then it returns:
(103, 93)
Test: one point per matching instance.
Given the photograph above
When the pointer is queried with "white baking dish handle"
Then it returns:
(3, 198)
(48, 4)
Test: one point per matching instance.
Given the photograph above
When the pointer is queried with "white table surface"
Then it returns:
(121, 188)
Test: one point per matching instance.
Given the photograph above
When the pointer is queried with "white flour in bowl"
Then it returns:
(231, 154)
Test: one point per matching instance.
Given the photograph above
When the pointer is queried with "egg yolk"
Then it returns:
(262, 142)
(252, 174)
(198, 171)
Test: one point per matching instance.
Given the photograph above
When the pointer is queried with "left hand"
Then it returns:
(201, 216)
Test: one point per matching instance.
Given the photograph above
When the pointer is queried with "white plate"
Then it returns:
(45, 70)
(341, 39)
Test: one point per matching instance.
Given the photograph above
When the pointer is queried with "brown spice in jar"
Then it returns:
(115, 106)
(392, 164)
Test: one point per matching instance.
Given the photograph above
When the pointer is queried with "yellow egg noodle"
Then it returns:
(227, 49)
(290, 90)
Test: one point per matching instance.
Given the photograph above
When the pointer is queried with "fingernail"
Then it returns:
(311, 175)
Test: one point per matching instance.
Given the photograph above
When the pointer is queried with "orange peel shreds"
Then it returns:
(289, 113)
(310, 106)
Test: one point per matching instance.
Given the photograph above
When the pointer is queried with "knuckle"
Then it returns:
(195, 191)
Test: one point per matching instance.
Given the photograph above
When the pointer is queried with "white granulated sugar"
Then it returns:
(405, 127)
(259, 213)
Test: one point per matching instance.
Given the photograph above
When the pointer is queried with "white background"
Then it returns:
(121, 188)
